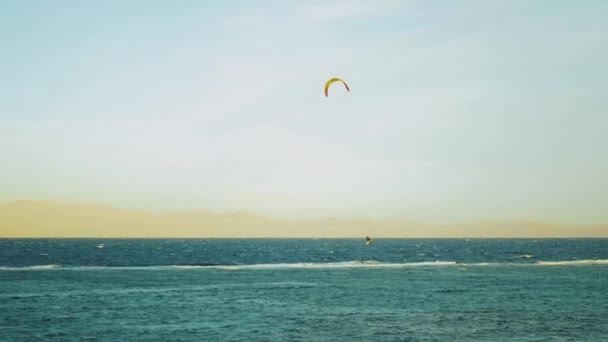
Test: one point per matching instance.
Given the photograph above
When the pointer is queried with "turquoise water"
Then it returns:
(304, 290)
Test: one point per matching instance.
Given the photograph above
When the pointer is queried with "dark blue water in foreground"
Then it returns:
(303, 290)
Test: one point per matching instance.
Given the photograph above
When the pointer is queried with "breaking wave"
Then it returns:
(313, 265)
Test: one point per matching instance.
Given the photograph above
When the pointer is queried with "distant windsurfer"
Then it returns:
(368, 240)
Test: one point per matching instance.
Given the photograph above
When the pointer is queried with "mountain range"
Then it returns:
(32, 219)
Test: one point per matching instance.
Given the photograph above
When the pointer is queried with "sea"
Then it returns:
(303, 290)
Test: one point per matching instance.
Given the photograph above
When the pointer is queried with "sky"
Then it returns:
(458, 110)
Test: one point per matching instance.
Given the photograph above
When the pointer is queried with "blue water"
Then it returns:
(303, 290)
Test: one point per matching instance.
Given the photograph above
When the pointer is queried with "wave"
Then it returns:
(33, 267)
(525, 256)
(326, 265)
(312, 265)
(574, 262)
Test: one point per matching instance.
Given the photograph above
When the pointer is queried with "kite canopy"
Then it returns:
(332, 80)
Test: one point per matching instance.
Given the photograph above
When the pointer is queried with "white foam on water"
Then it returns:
(312, 265)
(574, 262)
(327, 265)
(35, 267)
(525, 256)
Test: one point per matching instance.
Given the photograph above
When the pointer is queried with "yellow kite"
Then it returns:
(332, 80)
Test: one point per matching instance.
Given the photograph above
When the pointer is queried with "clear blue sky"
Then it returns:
(458, 110)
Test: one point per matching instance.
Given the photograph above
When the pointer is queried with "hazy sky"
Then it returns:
(458, 110)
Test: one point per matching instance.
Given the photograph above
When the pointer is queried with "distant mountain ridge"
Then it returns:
(30, 219)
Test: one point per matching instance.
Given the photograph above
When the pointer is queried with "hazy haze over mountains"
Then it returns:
(59, 219)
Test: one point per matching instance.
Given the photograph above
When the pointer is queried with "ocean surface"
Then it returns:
(303, 290)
